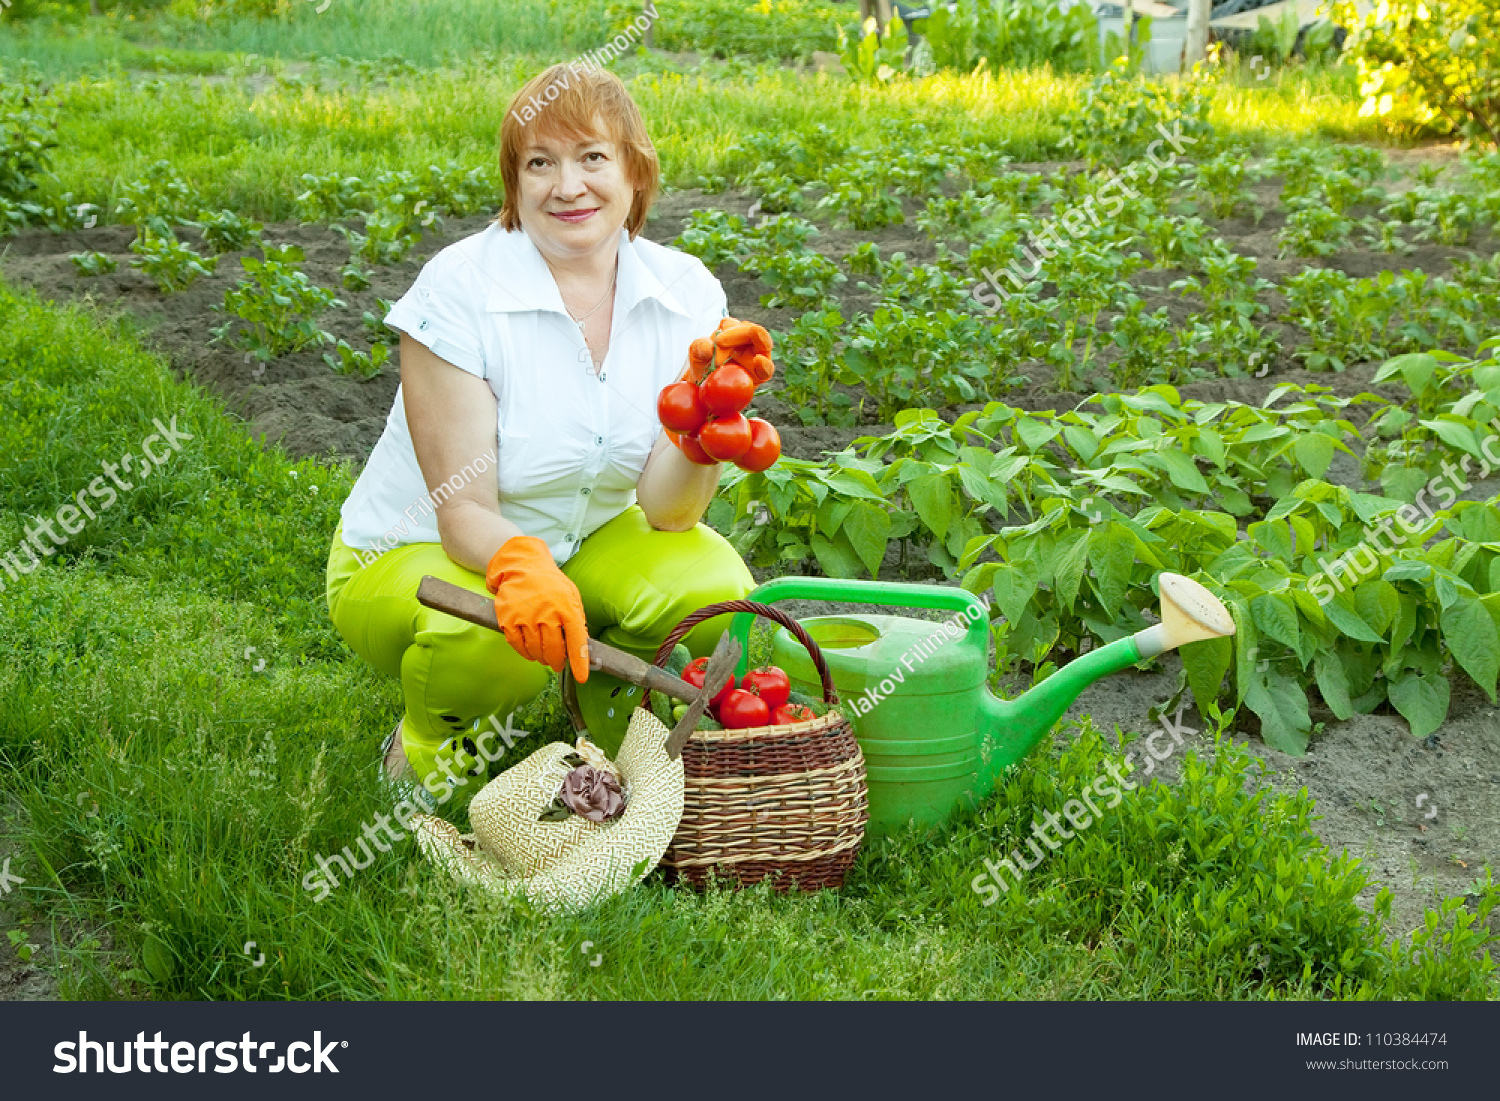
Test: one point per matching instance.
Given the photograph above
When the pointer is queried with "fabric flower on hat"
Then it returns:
(594, 789)
(593, 755)
(593, 793)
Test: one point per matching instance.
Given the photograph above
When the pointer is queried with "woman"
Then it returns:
(531, 357)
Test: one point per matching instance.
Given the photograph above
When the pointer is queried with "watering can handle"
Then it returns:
(897, 594)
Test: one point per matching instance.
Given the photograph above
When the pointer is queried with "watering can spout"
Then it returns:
(1010, 729)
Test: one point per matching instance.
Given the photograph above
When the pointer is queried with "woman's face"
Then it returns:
(575, 195)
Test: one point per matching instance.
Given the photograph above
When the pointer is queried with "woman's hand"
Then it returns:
(673, 491)
(704, 412)
(701, 412)
(539, 608)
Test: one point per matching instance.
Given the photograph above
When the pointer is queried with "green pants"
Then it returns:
(637, 584)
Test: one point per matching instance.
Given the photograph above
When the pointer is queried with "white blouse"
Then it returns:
(570, 443)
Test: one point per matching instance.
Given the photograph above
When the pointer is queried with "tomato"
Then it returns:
(694, 675)
(764, 449)
(680, 408)
(789, 713)
(769, 683)
(694, 451)
(726, 438)
(744, 709)
(727, 390)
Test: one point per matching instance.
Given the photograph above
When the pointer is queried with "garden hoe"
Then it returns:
(472, 607)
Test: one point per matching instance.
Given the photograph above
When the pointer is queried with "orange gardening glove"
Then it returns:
(742, 343)
(539, 607)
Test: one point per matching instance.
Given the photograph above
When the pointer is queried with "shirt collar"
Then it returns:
(522, 281)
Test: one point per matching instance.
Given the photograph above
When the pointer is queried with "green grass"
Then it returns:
(247, 152)
(125, 681)
(423, 32)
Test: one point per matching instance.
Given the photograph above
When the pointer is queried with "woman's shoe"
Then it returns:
(395, 767)
(400, 778)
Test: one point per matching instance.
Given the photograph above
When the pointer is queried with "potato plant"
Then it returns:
(277, 304)
(170, 264)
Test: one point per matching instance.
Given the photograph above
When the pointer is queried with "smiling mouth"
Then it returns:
(573, 215)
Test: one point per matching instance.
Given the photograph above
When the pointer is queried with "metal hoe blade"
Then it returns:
(720, 667)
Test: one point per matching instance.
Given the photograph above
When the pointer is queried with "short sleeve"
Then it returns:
(443, 313)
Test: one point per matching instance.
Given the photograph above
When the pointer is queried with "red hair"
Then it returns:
(573, 101)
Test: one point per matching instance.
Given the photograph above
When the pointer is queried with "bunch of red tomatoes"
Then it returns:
(761, 698)
(703, 413)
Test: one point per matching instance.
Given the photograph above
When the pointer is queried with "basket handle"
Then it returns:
(751, 607)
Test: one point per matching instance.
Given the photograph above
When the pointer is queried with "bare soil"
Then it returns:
(1423, 815)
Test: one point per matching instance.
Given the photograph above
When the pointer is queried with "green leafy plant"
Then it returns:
(714, 236)
(1277, 38)
(169, 263)
(1223, 179)
(92, 263)
(1451, 414)
(157, 201)
(354, 277)
(1428, 67)
(876, 58)
(809, 367)
(226, 231)
(1147, 347)
(1116, 117)
(348, 361)
(800, 280)
(28, 132)
(386, 239)
(375, 327)
(903, 357)
(1313, 229)
(332, 198)
(1010, 34)
(863, 198)
(277, 304)
(776, 163)
(20, 944)
(768, 30)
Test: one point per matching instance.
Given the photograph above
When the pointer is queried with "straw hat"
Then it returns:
(570, 863)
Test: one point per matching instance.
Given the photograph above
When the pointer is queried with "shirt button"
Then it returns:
(602, 376)
(569, 538)
(585, 492)
(599, 440)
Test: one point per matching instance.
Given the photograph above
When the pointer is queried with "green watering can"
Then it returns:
(932, 733)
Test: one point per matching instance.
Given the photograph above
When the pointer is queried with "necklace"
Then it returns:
(579, 321)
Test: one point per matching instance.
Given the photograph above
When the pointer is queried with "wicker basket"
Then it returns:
(787, 803)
